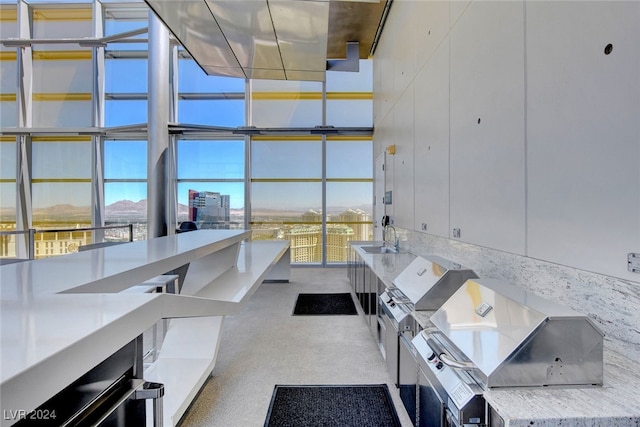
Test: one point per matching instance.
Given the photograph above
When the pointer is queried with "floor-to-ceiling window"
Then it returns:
(314, 190)
(79, 114)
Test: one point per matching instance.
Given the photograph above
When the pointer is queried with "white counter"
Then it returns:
(62, 316)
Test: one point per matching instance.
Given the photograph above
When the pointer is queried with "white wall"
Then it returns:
(552, 171)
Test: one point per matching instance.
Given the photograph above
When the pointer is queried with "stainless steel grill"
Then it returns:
(492, 334)
(425, 284)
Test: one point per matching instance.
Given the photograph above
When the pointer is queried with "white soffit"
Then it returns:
(257, 39)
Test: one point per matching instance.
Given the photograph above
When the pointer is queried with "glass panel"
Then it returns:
(61, 204)
(362, 81)
(211, 159)
(127, 20)
(119, 76)
(54, 23)
(125, 159)
(56, 240)
(62, 159)
(285, 103)
(286, 159)
(191, 79)
(216, 212)
(8, 111)
(62, 113)
(126, 203)
(62, 82)
(7, 192)
(216, 112)
(7, 158)
(7, 205)
(286, 113)
(349, 217)
(8, 70)
(9, 26)
(350, 112)
(350, 97)
(118, 113)
(349, 159)
(289, 211)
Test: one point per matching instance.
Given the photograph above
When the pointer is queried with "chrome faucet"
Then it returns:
(396, 242)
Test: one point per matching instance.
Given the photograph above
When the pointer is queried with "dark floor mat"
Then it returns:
(325, 304)
(332, 406)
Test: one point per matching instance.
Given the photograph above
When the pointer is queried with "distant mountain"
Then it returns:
(63, 211)
(129, 208)
(126, 207)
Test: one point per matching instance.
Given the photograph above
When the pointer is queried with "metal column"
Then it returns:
(23, 142)
(97, 141)
(157, 129)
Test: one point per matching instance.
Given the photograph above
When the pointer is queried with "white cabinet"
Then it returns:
(487, 126)
(432, 145)
(583, 134)
(403, 162)
(431, 30)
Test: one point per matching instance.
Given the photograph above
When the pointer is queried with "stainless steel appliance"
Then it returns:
(425, 284)
(492, 334)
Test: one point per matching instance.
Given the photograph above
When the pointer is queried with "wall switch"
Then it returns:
(456, 233)
(423, 226)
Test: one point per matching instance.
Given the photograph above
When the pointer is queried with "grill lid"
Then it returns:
(515, 338)
(428, 282)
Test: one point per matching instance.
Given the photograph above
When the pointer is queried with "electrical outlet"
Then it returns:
(423, 226)
(456, 233)
(633, 262)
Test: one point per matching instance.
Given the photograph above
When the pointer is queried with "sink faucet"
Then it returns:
(396, 243)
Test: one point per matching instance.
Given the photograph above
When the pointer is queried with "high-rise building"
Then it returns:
(338, 238)
(209, 209)
(306, 243)
(359, 221)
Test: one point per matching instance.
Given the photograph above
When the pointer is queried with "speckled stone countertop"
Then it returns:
(615, 404)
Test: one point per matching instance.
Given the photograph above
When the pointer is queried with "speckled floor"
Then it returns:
(265, 345)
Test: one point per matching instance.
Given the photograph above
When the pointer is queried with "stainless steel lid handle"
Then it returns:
(445, 358)
(456, 364)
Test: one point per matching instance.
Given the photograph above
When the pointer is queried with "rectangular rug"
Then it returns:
(332, 406)
(341, 303)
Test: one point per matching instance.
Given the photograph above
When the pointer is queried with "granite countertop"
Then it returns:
(614, 404)
(386, 266)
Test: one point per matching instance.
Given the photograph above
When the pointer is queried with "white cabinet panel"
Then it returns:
(403, 192)
(405, 23)
(431, 30)
(383, 76)
(583, 133)
(432, 145)
(456, 9)
(487, 125)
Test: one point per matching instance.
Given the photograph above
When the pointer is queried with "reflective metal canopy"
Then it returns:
(268, 39)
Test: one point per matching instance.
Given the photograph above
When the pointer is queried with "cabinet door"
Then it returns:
(403, 194)
(487, 125)
(583, 134)
(432, 145)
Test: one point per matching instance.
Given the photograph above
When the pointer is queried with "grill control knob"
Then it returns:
(433, 356)
(439, 365)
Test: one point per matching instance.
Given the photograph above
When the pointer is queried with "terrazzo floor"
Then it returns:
(265, 345)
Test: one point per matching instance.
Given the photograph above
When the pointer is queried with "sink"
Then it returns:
(379, 249)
